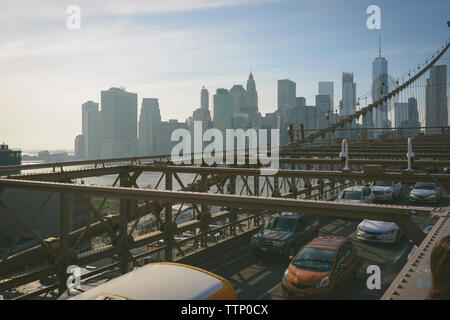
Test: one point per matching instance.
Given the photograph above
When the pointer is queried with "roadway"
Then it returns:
(256, 279)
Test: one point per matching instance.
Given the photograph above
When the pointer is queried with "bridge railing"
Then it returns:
(60, 252)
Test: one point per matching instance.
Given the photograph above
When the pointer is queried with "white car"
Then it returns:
(356, 194)
(426, 192)
(378, 231)
(386, 190)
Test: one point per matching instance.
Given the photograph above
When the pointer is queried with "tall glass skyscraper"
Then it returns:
(348, 95)
(380, 88)
(204, 99)
(118, 123)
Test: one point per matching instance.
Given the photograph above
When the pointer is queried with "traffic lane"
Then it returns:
(261, 279)
(250, 276)
(404, 201)
(253, 277)
(389, 257)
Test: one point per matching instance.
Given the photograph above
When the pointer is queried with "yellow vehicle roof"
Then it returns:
(162, 281)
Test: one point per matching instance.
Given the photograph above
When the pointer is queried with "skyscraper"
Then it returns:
(92, 138)
(85, 108)
(380, 88)
(348, 105)
(89, 106)
(239, 95)
(118, 123)
(245, 103)
(165, 129)
(323, 109)
(204, 99)
(436, 111)
(300, 102)
(286, 96)
(407, 116)
(413, 112)
(252, 95)
(149, 120)
(286, 102)
(79, 146)
(401, 113)
(327, 88)
(223, 110)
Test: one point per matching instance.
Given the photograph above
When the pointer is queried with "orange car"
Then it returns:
(321, 269)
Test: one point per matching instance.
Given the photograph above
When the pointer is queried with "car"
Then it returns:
(446, 170)
(161, 281)
(322, 268)
(386, 190)
(284, 234)
(425, 192)
(378, 231)
(426, 230)
(356, 194)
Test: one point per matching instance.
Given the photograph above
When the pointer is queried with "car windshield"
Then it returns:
(383, 183)
(425, 186)
(315, 259)
(351, 195)
(281, 224)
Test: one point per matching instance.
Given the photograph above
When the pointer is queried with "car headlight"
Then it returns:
(286, 276)
(360, 229)
(390, 231)
(324, 282)
(432, 196)
(279, 243)
(412, 195)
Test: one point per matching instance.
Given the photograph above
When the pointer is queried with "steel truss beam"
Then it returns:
(361, 211)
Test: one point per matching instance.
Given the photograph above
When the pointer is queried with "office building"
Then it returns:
(164, 134)
(286, 96)
(204, 99)
(223, 110)
(436, 108)
(300, 102)
(118, 123)
(327, 88)
(10, 157)
(149, 120)
(323, 110)
(401, 113)
(90, 134)
(79, 147)
(380, 88)
(239, 95)
(348, 105)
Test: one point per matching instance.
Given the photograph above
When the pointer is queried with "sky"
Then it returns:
(169, 49)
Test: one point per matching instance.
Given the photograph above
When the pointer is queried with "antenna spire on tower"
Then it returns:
(379, 46)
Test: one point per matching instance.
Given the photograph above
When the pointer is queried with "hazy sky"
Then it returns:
(169, 48)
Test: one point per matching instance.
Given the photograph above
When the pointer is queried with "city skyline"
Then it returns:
(49, 68)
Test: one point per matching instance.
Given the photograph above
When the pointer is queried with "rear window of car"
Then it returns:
(351, 195)
(315, 259)
(425, 186)
(383, 183)
(281, 224)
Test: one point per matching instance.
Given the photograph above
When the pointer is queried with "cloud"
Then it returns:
(56, 9)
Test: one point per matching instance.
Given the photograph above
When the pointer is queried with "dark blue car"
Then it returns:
(284, 234)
